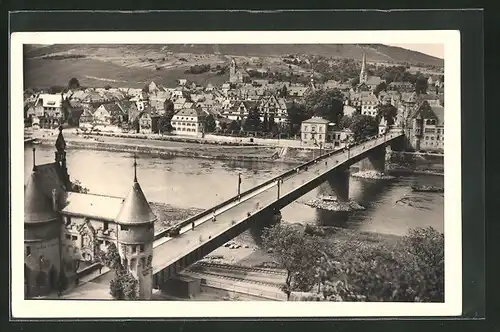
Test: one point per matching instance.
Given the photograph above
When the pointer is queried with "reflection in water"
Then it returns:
(201, 183)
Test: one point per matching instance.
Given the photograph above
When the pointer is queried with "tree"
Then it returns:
(354, 81)
(328, 104)
(389, 112)
(73, 84)
(145, 88)
(234, 126)
(265, 123)
(123, 286)
(345, 122)
(421, 85)
(273, 127)
(168, 106)
(164, 125)
(363, 126)
(107, 87)
(296, 114)
(379, 88)
(296, 252)
(77, 187)
(210, 124)
(284, 92)
(252, 122)
(412, 270)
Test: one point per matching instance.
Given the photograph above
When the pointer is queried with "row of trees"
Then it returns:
(412, 270)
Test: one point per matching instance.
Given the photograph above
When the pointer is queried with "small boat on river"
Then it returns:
(430, 189)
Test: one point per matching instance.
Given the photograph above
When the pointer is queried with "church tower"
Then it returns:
(42, 244)
(135, 237)
(232, 72)
(363, 75)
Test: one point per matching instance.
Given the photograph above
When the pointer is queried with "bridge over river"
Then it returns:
(176, 248)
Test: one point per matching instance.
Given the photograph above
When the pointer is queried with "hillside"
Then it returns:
(137, 64)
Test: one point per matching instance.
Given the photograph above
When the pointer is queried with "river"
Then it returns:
(199, 183)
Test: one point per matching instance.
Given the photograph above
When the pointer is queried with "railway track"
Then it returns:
(239, 268)
(233, 278)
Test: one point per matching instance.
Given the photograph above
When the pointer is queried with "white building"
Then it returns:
(189, 121)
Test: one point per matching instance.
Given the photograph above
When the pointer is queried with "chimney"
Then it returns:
(54, 200)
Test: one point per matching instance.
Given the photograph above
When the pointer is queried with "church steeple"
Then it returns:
(363, 75)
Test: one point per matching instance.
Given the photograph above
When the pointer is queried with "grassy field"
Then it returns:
(374, 52)
(41, 73)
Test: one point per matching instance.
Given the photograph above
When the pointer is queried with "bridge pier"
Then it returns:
(336, 185)
(375, 161)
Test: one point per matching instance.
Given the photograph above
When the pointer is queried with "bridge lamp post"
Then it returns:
(239, 185)
(279, 187)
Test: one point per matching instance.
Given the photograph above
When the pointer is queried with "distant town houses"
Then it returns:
(187, 106)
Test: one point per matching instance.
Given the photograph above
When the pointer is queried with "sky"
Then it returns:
(436, 50)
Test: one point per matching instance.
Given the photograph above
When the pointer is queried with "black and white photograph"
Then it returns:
(181, 172)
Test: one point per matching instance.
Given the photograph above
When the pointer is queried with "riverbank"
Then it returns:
(415, 163)
(251, 153)
(169, 215)
(244, 251)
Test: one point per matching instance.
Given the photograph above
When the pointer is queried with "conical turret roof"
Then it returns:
(135, 208)
(37, 206)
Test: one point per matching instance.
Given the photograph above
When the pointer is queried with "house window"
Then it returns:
(28, 250)
(105, 226)
(141, 248)
(74, 237)
(319, 136)
(124, 228)
(68, 236)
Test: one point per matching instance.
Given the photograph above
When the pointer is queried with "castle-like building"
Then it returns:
(64, 229)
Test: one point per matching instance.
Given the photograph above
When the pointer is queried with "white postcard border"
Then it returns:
(452, 306)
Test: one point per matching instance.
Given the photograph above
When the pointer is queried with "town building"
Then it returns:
(190, 122)
(369, 105)
(238, 110)
(64, 230)
(314, 131)
(339, 137)
(424, 127)
(275, 107)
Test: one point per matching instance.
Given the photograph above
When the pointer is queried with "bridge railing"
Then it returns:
(233, 199)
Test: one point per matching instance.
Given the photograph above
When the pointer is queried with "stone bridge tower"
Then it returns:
(42, 228)
(135, 237)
